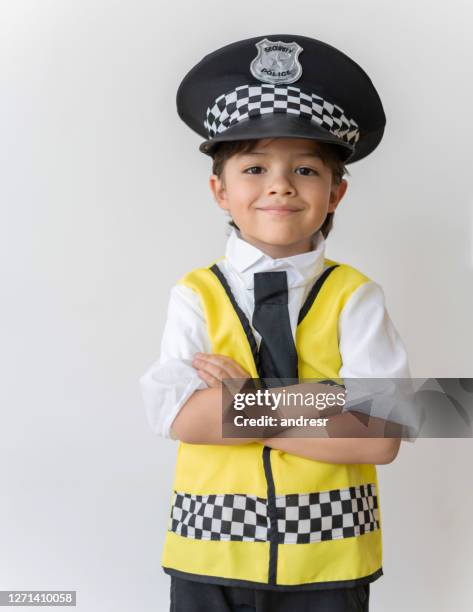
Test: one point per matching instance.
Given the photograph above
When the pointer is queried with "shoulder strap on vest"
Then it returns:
(314, 292)
(241, 315)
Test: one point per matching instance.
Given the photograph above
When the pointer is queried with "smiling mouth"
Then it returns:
(280, 212)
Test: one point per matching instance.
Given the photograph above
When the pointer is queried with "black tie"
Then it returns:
(277, 352)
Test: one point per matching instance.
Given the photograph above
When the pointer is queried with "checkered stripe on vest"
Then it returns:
(252, 100)
(302, 517)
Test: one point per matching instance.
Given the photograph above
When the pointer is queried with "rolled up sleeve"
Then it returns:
(371, 348)
(370, 345)
(169, 382)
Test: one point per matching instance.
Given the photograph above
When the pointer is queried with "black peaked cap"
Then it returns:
(282, 85)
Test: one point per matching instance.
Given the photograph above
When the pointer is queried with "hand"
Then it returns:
(213, 368)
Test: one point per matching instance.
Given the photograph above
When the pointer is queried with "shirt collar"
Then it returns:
(246, 259)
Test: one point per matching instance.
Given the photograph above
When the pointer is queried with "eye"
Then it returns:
(309, 169)
(247, 171)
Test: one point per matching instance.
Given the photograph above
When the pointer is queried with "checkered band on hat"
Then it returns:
(301, 518)
(253, 100)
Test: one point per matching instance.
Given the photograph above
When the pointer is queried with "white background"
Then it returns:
(105, 204)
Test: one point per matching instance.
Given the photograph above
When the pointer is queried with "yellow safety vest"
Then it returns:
(249, 515)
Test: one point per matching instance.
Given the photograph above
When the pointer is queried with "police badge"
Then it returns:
(276, 62)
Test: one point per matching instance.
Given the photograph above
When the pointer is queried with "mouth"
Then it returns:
(280, 211)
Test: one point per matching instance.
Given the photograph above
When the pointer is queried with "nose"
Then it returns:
(280, 184)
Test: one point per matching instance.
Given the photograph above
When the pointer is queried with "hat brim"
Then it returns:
(277, 125)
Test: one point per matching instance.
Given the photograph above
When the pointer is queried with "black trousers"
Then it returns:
(192, 596)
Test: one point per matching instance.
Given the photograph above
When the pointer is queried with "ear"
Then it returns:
(336, 194)
(218, 189)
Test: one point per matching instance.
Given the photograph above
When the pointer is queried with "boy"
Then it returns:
(273, 524)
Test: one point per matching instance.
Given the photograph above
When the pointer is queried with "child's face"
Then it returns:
(278, 194)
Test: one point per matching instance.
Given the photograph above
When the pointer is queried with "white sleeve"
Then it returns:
(171, 380)
(371, 348)
(369, 343)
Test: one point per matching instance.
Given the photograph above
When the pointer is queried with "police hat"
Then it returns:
(282, 85)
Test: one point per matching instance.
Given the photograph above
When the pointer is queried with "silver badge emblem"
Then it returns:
(276, 62)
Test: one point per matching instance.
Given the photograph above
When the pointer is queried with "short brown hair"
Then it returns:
(329, 154)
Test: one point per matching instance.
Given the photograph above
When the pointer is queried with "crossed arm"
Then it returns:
(200, 422)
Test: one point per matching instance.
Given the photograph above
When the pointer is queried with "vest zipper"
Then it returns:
(273, 519)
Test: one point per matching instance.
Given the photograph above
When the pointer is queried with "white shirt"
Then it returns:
(369, 344)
